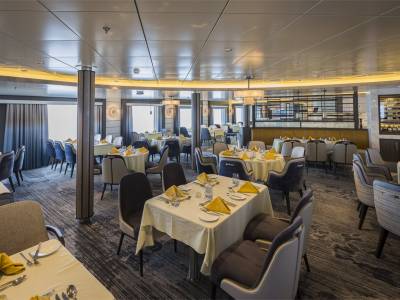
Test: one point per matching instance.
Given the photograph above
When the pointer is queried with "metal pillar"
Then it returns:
(84, 174)
(196, 115)
(355, 108)
(245, 131)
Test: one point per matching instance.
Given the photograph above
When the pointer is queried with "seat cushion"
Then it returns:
(264, 227)
(242, 262)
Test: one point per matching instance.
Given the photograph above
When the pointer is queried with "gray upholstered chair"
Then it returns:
(373, 171)
(205, 164)
(19, 164)
(157, 168)
(109, 138)
(97, 138)
(23, 227)
(218, 147)
(263, 228)
(364, 190)
(297, 152)
(256, 144)
(387, 206)
(287, 147)
(113, 169)
(247, 271)
(316, 153)
(343, 153)
(6, 167)
(173, 174)
(374, 158)
(229, 166)
(118, 141)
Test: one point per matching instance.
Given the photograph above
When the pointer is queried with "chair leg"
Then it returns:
(306, 262)
(111, 187)
(66, 168)
(358, 206)
(213, 291)
(301, 193)
(55, 167)
(61, 166)
(120, 242)
(17, 177)
(287, 202)
(104, 189)
(175, 246)
(141, 263)
(72, 170)
(363, 213)
(20, 175)
(11, 183)
(382, 239)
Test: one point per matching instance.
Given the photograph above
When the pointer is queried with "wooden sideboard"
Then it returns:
(267, 135)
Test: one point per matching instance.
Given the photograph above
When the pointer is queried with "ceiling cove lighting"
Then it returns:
(51, 77)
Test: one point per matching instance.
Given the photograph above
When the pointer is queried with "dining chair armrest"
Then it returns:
(57, 232)
(380, 170)
(284, 220)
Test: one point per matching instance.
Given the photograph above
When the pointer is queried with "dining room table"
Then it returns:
(160, 141)
(56, 270)
(189, 223)
(134, 161)
(258, 163)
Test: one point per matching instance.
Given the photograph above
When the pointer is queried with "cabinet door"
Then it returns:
(390, 149)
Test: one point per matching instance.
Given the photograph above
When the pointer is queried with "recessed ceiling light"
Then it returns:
(136, 70)
(228, 49)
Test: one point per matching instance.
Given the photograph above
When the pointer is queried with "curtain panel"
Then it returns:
(27, 124)
(126, 123)
(98, 119)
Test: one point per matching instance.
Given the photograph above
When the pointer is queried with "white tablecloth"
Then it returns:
(183, 224)
(161, 142)
(56, 272)
(136, 162)
(398, 172)
(261, 166)
(102, 149)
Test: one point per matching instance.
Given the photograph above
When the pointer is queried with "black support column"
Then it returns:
(196, 122)
(84, 174)
(245, 131)
(355, 108)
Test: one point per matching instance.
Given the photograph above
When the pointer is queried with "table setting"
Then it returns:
(211, 216)
(135, 159)
(47, 271)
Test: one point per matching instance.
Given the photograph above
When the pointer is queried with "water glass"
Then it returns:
(235, 179)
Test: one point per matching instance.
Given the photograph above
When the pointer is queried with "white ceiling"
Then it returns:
(186, 39)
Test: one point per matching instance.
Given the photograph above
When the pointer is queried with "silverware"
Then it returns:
(210, 212)
(12, 283)
(230, 203)
(35, 256)
(64, 296)
(72, 291)
(27, 260)
(58, 297)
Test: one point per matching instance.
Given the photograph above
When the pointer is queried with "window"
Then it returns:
(143, 118)
(239, 114)
(219, 115)
(185, 117)
(62, 120)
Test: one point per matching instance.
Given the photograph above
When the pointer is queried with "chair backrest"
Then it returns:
(316, 151)
(173, 174)
(173, 147)
(374, 157)
(287, 147)
(60, 152)
(118, 141)
(19, 159)
(363, 184)
(205, 134)
(140, 144)
(108, 138)
(297, 152)
(70, 156)
(134, 191)
(22, 226)
(281, 269)
(387, 205)
(6, 165)
(229, 166)
(163, 159)
(304, 209)
(113, 169)
(184, 131)
(203, 166)
(292, 175)
(219, 147)
(135, 137)
(97, 138)
(343, 152)
(50, 150)
(256, 144)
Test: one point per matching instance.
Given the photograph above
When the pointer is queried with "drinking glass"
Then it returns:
(235, 179)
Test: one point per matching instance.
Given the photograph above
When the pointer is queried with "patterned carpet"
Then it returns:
(343, 264)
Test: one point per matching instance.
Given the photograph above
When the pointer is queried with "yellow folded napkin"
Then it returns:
(114, 150)
(203, 178)
(272, 150)
(244, 156)
(310, 138)
(174, 191)
(218, 205)
(142, 150)
(103, 142)
(40, 298)
(129, 147)
(248, 187)
(128, 152)
(8, 267)
(227, 153)
(269, 156)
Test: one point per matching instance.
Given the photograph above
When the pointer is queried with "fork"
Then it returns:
(12, 283)
(27, 260)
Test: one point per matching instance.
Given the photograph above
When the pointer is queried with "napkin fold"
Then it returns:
(244, 156)
(40, 298)
(128, 152)
(114, 150)
(142, 150)
(103, 142)
(227, 153)
(129, 147)
(218, 205)
(174, 191)
(272, 150)
(248, 187)
(203, 178)
(269, 156)
(8, 267)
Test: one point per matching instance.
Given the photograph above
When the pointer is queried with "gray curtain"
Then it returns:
(98, 118)
(127, 126)
(27, 124)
